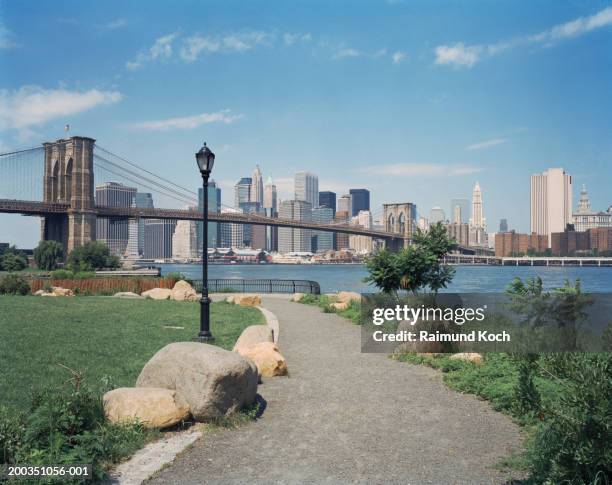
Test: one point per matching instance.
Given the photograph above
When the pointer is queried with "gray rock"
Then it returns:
(213, 381)
(128, 294)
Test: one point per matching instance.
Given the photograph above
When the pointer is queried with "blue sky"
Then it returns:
(414, 100)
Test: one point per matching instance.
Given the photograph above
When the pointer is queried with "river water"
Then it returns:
(468, 279)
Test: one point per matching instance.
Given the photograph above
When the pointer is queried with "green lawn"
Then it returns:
(97, 336)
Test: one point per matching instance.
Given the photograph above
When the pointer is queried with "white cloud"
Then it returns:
(161, 49)
(347, 52)
(193, 46)
(32, 105)
(114, 24)
(290, 39)
(458, 54)
(188, 122)
(461, 55)
(5, 38)
(486, 144)
(398, 57)
(245, 41)
(420, 169)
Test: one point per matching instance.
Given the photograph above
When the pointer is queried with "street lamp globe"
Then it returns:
(205, 159)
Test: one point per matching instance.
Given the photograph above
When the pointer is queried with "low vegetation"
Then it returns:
(59, 355)
(352, 313)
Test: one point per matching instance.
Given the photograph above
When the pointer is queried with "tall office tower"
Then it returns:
(456, 215)
(423, 224)
(294, 240)
(131, 252)
(254, 235)
(551, 201)
(464, 205)
(214, 206)
(230, 235)
(257, 187)
(361, 244)
(360, 200)
(270, 198)
(436, 214)
(158, 238)
(114, 232)
(307, 188)
(185, 240)
(503, 225)
(242, 191)
(142, 200)
(344, 204)
(322, 240)
(328, 199)
(478, 234)
(342, 239)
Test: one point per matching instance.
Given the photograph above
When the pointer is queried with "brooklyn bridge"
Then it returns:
(56, 182)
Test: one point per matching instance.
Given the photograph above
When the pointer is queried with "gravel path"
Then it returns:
(343, 416)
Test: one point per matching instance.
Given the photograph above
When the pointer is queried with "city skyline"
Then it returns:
(414, 107)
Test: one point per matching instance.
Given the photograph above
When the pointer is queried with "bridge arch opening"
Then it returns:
(67, 181)
(391, 223)
(402, 223)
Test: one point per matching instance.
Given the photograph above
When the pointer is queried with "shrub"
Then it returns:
(12, 261)
(62, 274)
(91, 256)
(67, 426)
(14, 284)
(48, 255)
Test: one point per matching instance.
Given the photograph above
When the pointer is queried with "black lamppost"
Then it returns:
(206, 160)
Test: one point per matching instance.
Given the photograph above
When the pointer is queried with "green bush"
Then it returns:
(13, 261)
(14, 284)
(67, 426)
(62, 274)
(92, 256)
(48, 255)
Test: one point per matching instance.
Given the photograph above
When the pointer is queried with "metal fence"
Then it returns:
(259, 286)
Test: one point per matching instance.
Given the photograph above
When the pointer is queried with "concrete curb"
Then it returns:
(152, 458)
(271, 321)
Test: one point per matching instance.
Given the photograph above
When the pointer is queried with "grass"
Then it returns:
(98, 337)
(352, 313)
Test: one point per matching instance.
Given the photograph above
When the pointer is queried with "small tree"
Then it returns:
(48, 255)
(92, 256)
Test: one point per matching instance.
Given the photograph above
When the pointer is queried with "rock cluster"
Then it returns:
(55, 291)
(244, 299)
(257, 344)
(182, 291)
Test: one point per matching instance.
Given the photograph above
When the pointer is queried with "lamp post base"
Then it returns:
(203, 338)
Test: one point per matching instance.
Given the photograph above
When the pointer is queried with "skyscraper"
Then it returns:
(344, 204)
(361, 244)
(214, 206)
(551, 202)
(254, 235)
(328, 199)
(360, 201)
(230, 235)
(503, 225)
(185, 240)
(464, 209)
(242, 191)
(114, 232)
(158, 238)
(257, 188)
(307, 188)
(142, 200)
(342, 239)
(270, 198)
(322, 240)
(478, 235)
(294, 240)
(436, 214)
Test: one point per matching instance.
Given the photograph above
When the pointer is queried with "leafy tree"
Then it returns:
(48, 255)
(92, 256)
(415, 267)
(13, 261)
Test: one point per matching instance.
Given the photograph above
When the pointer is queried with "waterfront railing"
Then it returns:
(232, 285)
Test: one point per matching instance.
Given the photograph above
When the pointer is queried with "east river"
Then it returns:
(468, 279)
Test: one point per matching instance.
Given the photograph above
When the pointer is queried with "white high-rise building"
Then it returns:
(361, 244)
(270, 196)
(307, 188)
(551, 202)
(294, 240)
(457, 214)
(257, 188)
(436, 214)
(478, 223)
(185, 240)
(131, 251)
(231, 235)
(344, 204)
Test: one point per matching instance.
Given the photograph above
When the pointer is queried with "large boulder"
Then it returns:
(39, 293)
(347, 297)
(267, 358)
(158, 294)
(297, 297)
(183, 291)
(247, 300)
(252, 336)
(153, 407)
(473, 357)
(213, 381)
(56, 291)
(341, 305)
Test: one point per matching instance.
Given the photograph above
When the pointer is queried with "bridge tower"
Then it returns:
(400, 219)
(69, 179)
